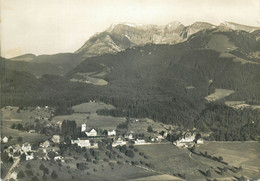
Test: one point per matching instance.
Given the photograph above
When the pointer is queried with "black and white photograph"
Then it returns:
(138, 90)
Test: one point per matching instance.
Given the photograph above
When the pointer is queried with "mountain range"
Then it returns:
(117, 38)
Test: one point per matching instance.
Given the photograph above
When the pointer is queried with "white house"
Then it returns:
(137, 141)
(58, 158)
(56, 138)
(129, 136)
(119, 141)
(13, 175)
(200, 141)
(83, 127)
(188, 137)
(29, 157)
(111, 133)
(45, 144)
(93, 132)
(81, 143)
(26, 147)
(5, 139)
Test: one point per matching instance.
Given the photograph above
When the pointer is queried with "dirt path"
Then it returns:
(12, 167)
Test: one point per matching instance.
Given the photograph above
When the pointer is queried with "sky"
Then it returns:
(57, 26)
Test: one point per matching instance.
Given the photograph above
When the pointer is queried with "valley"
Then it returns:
(136, 102)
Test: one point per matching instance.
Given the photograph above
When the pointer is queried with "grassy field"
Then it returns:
(91, 107)
(86, 113)
(142, 125)
(168, 159)
(10, 115)
(245, 154)
(219, 94)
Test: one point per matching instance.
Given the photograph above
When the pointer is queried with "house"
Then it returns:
(137, 141)
(29, 157)
(26, 147)
(45, 144)
(13, 175)
(188, 137)
(59, 123)
(159, 137)
(119, 141)
(129, 136)
(111, 133)
(5, 139)
(93, 132)
(32, 131)
(83, 127)
(200, 141)
(58, 158)
(81, 143)
(56, 138)
(186, 141)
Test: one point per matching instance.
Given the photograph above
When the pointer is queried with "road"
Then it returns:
(12, 167)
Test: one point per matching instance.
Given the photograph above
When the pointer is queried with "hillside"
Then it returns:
(182, 84)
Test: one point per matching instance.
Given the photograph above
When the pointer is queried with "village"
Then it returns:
(90, 138)
(93, 145)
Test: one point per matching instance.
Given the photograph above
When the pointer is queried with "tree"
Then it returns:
(46, 171)
(101, 145)
(11, 160)
(150, 129)
(20, 139)
(23, 157)
(20, 175)
(130, 153)
(68, 127)
(54, 175)
(41, 167)
(28, 166)
(208, 173)
(220, 158)
(34, 178)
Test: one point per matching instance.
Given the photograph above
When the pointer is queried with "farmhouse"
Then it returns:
(83, 127)
(29, 157)
(93, 132)
(56, 138)
(13, 176)
(26, 147)
(119, 141)
(188, 137)
(137, 141)
(129, 136)
(56, 158)
(200, 141)
(187, 140)
(45, 144)
(81, 143)
(5, 139)
(111, 133)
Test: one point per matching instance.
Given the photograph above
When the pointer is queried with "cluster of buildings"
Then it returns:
(16, 150)
(188, 140)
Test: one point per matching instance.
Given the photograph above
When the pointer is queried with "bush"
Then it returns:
(54, 175)
(20, 175)
(28, 166)
(149, 129)
(41, 167)
(34, 178)
(130, 153)
(29, 173)
(81, 166)
(46, 171)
